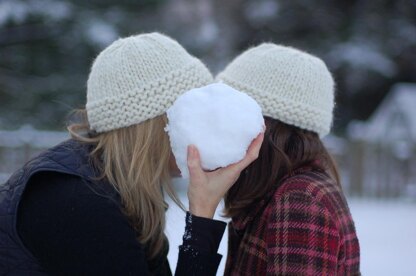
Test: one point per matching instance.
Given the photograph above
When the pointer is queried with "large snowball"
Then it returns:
(219, 120)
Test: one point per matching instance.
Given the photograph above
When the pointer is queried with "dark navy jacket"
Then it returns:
(72, 157)
(68, 157)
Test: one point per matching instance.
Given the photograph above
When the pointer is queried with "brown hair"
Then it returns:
(136, 161)
(285, 148)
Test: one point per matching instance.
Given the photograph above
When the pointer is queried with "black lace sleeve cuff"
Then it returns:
(203, 234)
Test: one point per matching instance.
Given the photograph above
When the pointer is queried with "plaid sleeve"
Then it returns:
(302, 238)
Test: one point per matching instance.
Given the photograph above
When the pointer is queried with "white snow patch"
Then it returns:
(393, 121)
(12, 10)
(387, 234)
(4, 177)
(364, 56)
(28, 136)
(260, 11)
(101, 33)
(208, 31)
(219, 120)
(18, 11)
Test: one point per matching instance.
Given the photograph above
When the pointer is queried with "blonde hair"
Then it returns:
(136, 161)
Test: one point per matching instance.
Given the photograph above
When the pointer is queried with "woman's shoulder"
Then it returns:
(67, 222)
(312, 182)
(315, 186)
(57, 193)
(64, 203)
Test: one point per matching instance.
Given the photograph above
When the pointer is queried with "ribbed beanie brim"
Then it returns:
(290, 85)
(138, 78)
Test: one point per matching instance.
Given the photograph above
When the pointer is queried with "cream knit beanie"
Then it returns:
(290, 85)
(138, 78)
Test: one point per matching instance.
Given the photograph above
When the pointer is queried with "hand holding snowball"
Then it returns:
(219, 120)
(213, 128)
(206, 189)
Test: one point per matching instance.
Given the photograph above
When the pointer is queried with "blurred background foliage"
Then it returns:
(47, 46)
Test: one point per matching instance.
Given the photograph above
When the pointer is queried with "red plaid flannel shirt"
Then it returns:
(303, 228)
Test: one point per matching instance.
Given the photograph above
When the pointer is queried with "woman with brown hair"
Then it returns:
(289, 214)
(94, 205)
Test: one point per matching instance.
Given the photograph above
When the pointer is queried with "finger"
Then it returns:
(252, 153)
(255, 146)
(194, 162)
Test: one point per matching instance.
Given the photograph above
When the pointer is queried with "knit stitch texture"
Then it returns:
(289, 85)
(138, 78)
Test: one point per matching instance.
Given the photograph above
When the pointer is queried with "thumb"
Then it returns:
(194, 163)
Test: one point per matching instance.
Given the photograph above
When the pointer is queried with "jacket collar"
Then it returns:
(240, 222)
(71, 157)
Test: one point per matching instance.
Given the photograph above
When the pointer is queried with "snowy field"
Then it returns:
(387, 234)
(386, 230)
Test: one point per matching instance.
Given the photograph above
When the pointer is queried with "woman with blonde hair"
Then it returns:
(94, 205)
(289, 214)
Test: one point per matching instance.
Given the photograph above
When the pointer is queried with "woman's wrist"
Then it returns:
(202, 211)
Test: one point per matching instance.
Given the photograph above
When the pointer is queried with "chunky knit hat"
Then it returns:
(138, 78)
(290, 85)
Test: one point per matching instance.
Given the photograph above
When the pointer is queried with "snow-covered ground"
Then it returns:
(386, 230)
(387, 234)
